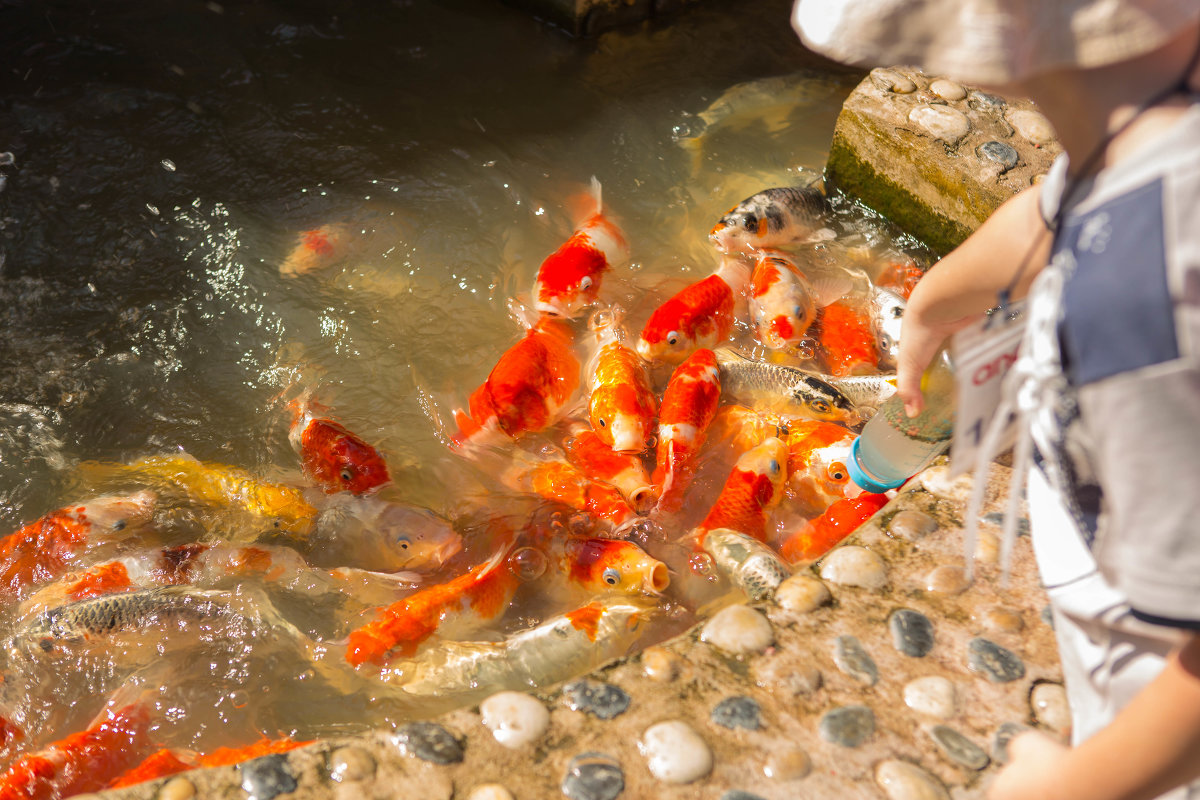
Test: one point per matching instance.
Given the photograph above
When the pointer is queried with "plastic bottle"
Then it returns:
(893, 446)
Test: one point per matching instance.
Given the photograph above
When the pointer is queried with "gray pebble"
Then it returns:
(912, 632)
(853, 659)
(738, 794)
(997, 663)
(429, 741)
(981, 101)
(959, 748)
(265, 777)
(1004, 735)
(998, 153)
(601, 700)
(738, 712)
(779, 674)
(593, 776)
(848, 726)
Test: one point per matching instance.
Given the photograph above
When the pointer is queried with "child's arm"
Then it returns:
(1152, 746)
(966, 282)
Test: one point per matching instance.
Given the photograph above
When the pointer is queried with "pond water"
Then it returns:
(164, 159)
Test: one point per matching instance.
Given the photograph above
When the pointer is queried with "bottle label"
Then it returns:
(983, 354)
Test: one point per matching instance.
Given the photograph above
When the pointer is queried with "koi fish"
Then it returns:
(316, 249)
(699, 316)
(569, 278)
(817, 474)
(784, 301)
(586, 451)
(47, 547)
(560, 648)
(887, 319)
(622, 405)
(865, 392)
(334, 458)
(749, 564)
(527, 389)
(900, 277)
(847, 340)
(172, 761)
(603, 566)
(770, 218)
(375, 534)
(224, 756)
(785, 391)
(222, 485)
(689, 404)
(742, 428)
(752, 488)
(479, 595)
(557, 480)
(85, 761)
(820, 535)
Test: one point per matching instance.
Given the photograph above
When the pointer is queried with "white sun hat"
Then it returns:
(989, 42)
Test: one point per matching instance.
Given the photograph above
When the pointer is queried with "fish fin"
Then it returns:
(821, 235)
(521, 310)
(828, 289)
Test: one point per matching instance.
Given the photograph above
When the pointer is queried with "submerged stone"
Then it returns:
(959, 748)
(593, 776)
(901, 780)
(848, 726)
(266, 777)
(997, 663)
(428, 741)
(738, 712)
(601, 700)
(912, 632)
(853, 659)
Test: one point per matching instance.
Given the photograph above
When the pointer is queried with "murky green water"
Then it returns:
(165, 157)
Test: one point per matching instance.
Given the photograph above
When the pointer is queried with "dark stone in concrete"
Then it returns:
(912, 632)
(1004, 735)
(738, 712)
(853, 659)
(268, 776)
(602, 700)
(848, 726)
(593, 776)
(998, 153)
(430, 742)
(997, 663)
(959, 748)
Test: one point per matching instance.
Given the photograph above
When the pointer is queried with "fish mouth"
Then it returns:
(658, 579)
(642, 498)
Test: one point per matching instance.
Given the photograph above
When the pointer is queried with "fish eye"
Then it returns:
(347, 474)
(799, 312)
(820, 406)
(673, 338)
(773, 466)
(603, 422)
(837, 472)
(611, 577)
(403, 542)
(585, 283)
(119, 525)
(750, 221)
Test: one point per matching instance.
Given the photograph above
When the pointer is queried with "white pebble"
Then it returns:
(852, 565)
(901, 780)
(738, 629)
(178, 788)
(675, 753)
(490, 791)
(941, 122)
(514, 718)
(932, 695)
(1032, 125)
(1050, 706)
(948, 90)
(800, 594)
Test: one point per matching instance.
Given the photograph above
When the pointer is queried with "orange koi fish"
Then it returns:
(848, 342)
(770, 218)
(817, 474)
(742, 427)
(699, 316)
(784, 301)
(558, 481)
(820, 535)
(171, 761)
(587, 452)
(752, 488)
(82, 762)
(334, 458)
(526, 390)
(689, 404)
(46, 548)
(569, 278)
(622, 404)
(481, 594)
(316, 249)
(603, 566)
(900, 276)
(224, 756)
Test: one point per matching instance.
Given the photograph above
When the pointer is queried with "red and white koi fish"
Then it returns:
(688, 406)
(770, 218)
(569, 279)
(784, 301)
(85, 761)
(622, 405)
(699, 316)
(559, 481)
(49, 546)
(466, 602)
(586, 451)
(334, 458)
(316, 249)
(526, 391)
(847, 340)
(820, 535)
(817, 474)
(753, 487)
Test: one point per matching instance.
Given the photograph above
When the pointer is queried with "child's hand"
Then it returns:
(919, 343)
(1035, 762)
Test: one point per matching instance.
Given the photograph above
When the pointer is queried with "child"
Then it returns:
(1108, 250)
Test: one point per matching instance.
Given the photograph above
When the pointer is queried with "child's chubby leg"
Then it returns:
(967, 282)
(1151, 747)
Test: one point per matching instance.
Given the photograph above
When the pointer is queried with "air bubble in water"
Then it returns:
(527, 563)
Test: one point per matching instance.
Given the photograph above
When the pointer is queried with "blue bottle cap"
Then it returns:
(864, 482)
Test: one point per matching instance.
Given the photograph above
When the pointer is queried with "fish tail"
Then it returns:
(586, 204)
